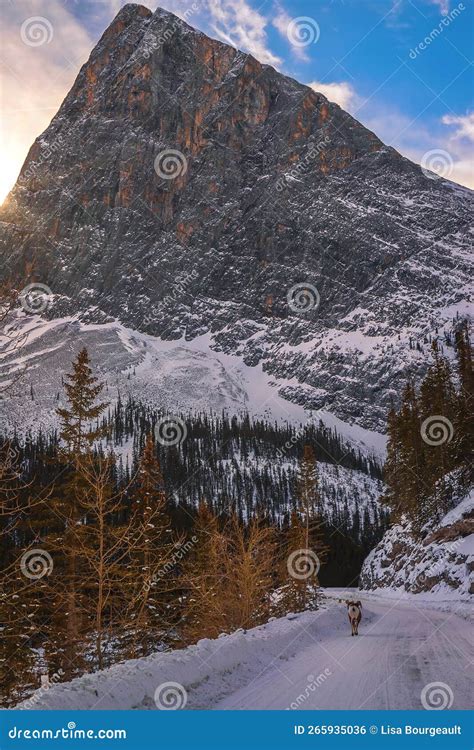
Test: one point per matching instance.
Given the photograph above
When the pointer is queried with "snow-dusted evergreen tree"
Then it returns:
(79, 432)
(464, 418)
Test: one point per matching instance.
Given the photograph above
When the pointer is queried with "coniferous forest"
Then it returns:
(127, 531)
(430, 438)
(122, 535)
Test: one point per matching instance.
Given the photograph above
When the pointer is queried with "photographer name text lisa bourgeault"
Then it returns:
(384, 729)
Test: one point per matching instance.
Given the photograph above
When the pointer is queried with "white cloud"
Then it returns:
(443, 6)
(342, 93)
(459, 146)
(465, 125)
(395, 17)
(188, 10)
(281, 22)
(399, 5)
(237, 23)
(413, 139)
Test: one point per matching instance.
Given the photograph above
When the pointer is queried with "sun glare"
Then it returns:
(11, 165)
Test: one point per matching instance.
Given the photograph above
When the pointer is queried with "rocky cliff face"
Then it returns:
(440, 563)
(185, 188)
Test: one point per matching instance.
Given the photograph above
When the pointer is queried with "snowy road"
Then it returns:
(401, 649)
(304, 661)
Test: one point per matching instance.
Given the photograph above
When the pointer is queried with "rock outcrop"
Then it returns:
(441, 563)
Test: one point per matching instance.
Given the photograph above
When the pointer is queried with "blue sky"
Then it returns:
(402, 67)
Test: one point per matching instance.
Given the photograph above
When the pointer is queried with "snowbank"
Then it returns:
(307, 661)
(440, 601)
(203, 672)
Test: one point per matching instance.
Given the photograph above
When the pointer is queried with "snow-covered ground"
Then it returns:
(179, 376)
(304, 661)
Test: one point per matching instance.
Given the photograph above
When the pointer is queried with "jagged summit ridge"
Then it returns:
(274, 186)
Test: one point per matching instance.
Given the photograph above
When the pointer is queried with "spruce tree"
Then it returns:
(413, 488)
(437, 403)
(464, 418)
(392, 474)
(421, 450)
(79, 433)
(82, 391)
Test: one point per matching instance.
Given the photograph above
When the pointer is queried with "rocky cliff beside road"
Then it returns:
(440, 563)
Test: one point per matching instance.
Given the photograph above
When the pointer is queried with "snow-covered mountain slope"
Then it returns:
(442, 563)
(306, 661)
(332, 282)
(176, 376)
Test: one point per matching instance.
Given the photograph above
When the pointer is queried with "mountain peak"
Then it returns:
(127, 15)
(185, 188)
(132, 10)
